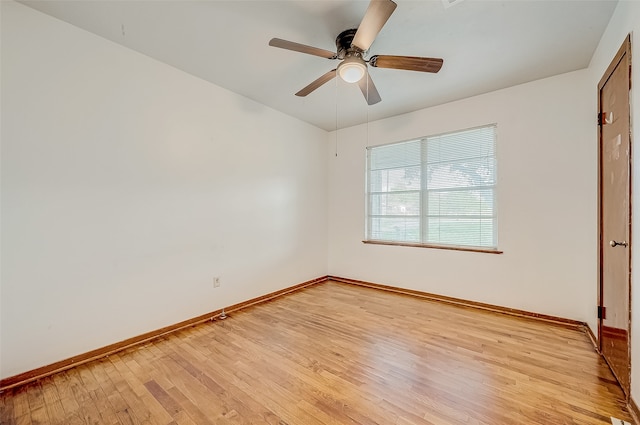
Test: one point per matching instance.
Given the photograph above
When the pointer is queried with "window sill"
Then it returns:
(450, 247)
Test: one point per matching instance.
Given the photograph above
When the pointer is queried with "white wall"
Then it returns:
(547, 197)
(625, 20)
(127, 185)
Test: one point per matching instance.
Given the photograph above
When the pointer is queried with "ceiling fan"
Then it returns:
(352, 47)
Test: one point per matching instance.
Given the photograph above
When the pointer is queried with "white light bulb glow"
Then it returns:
(352, 69)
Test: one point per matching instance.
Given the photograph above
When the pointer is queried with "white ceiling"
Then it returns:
(486, 45)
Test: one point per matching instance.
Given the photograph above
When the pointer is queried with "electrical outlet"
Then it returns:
(216, 282)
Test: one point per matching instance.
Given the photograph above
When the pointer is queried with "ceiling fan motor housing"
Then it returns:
(343, 43)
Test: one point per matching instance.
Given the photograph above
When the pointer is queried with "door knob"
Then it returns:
(615, 243)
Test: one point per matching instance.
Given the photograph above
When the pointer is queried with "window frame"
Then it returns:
(423, 216)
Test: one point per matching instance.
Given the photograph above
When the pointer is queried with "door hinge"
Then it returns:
(602, 312)
(605, 118)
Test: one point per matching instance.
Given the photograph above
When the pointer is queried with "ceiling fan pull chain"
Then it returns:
(336, 96)
(368, 79)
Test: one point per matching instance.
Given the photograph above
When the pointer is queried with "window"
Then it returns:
(438, 190)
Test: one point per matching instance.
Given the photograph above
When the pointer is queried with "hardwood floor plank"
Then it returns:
(196, 398)
(165, 400)
(335, 354)
(55, 410)
(7, 412)
(23, 420)
(192, 410)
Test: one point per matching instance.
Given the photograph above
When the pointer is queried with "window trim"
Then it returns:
(445, 247)
(469, 248)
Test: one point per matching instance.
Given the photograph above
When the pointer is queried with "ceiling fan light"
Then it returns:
(352, 69)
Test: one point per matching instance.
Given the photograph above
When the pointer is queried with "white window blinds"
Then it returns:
(439, 190)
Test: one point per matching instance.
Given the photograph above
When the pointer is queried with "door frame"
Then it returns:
(625, 49)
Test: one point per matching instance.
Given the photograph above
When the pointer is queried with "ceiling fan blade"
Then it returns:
(303, 48)
(369, 90)
(317, 83)
(374, 19)
(411, 63)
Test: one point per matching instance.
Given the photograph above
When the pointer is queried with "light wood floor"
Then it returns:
(338, 354)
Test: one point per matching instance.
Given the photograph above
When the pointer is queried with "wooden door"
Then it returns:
(615, 212)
